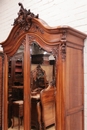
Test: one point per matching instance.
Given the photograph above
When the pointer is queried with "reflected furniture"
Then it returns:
(38, 78)
(35, 122)
(17, 111)
(47, 102)
(15, 70)
(43, 109)
(15, 77)
(17, 93)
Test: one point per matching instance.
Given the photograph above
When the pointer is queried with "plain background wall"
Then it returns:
(55, 13)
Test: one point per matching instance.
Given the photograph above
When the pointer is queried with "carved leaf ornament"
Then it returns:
(24, 18)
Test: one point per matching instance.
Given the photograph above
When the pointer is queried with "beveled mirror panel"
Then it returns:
(42, 88)
(16, 90)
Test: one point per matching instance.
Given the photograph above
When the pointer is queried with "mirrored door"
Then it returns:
(31, 88)
(16, 90)
(42, 88)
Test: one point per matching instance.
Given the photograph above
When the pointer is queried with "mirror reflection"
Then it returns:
(42, 89)
(15, 91)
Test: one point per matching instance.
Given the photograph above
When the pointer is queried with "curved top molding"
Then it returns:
(28, 23)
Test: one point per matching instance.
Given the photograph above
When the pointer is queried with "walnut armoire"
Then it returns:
(66, 44)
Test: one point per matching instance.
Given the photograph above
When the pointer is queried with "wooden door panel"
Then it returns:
(74, 89)
(74, 80)
(74, 121)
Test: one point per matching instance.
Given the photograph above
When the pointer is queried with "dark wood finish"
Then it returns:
(17, 93)
(38, 79)
(24, 18)
(37, 59)
(15, 77)
(15, 73)
(66, 44)
(35, 123)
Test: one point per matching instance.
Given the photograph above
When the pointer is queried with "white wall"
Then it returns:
(55, 13)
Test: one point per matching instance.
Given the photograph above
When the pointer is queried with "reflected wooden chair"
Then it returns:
(17, 111)
(35, 114)
(47, 98)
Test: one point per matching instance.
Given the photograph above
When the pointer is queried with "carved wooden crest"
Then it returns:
(24, 18)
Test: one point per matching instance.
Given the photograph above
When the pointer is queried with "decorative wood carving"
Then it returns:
(63, 50)
(63, 44)
(24, 19)
(24, 41)
(55, 51)
(36, 28)
(63, 38)
(31, 39)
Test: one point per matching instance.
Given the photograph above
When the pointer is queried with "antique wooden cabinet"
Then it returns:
(66, 44)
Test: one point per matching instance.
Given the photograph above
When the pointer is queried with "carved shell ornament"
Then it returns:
(24, 18)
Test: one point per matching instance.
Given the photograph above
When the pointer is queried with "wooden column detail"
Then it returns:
(26, 85)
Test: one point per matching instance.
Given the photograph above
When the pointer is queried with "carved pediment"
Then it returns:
(24, 19)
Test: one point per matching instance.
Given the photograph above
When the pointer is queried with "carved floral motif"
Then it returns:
(24, 18)
(31, 39)
(63, 50)
(63, 45)
(36, 28)
(55, 51)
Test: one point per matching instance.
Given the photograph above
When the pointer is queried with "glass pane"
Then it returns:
(15, 90)
(42, 88)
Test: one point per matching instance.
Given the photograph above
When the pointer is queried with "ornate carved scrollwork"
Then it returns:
(63, 50)
(63, 38)
(63, 45)
(23, 41)
(24, 18)
(31, 39)
(55, 51)
(36, 28)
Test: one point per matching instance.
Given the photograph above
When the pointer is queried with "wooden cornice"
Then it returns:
(34, 26)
